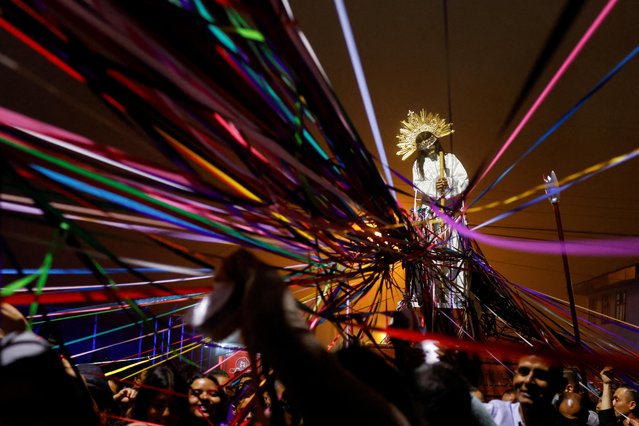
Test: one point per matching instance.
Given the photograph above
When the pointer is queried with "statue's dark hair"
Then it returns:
(421, 155)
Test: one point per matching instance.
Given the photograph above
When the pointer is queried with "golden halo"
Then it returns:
(416, 124)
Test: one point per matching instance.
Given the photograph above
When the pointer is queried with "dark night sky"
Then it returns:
(493, 45)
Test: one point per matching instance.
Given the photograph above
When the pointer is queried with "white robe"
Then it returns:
(425, 184)
(455, 174)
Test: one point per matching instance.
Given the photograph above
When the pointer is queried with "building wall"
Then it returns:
(621, 303)
(632, 305)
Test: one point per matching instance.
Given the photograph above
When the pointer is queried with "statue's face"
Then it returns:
(428, 145)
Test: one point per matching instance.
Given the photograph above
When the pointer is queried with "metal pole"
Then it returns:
(564, 258)
(168, 336)
(95, 331)
(155, 340)
(348, 324)
(182, 338)
(140, 341)
(553, 196)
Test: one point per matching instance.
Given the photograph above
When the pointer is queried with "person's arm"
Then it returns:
(606, 413)
(272, 325)
(606, 394)
(125, 397)
(11, 320)
(480, 413)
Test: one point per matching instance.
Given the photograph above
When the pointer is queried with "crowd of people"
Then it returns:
(39, 386)
(313, 386)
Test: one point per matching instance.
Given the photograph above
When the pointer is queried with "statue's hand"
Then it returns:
(441, 185)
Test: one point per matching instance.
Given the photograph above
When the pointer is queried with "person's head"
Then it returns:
(509, 395)
(242, 394)
(427, 143)
(36, 387)
(624, 401)
(427, 146)
(378, 375)
(477, 393)
(221, 376)
(536, 381)
(443, 395)
(139, 379)
(206, 398)
(98, 387)
(573, 378)
(572, 407)
(162, 398)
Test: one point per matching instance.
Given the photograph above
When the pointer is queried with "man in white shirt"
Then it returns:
(536, 381)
